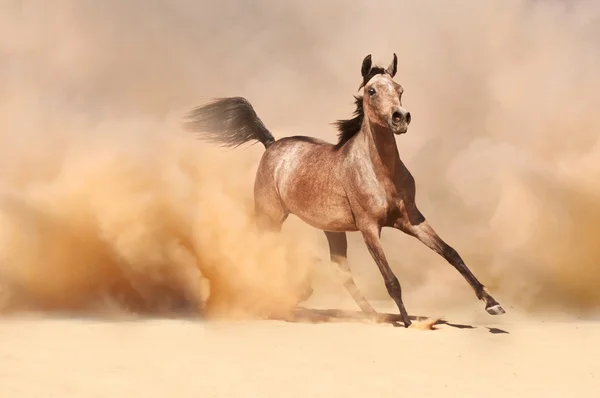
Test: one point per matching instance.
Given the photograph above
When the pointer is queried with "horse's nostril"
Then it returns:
(396, 116)
(408, 118)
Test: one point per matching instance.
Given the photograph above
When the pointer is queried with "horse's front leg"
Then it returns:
(371, 235)
(412, 222)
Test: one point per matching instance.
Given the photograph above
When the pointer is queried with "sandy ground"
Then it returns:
(511, 357)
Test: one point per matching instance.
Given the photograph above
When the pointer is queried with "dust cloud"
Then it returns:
(106, 204)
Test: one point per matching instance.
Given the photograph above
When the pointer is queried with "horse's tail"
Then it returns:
(229, 121)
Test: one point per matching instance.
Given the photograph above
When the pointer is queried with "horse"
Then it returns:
(359, 184)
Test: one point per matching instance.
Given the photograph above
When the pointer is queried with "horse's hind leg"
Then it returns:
(270, 212)
(269, 221)
(270, 216)
(338, 247)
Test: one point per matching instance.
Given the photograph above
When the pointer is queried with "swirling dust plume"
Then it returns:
(106, 205)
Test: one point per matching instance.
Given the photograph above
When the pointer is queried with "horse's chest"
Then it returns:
(374, 194)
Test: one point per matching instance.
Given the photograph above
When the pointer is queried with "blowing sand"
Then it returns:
(109, 212)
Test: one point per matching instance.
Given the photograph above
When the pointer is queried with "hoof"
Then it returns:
(495, 310)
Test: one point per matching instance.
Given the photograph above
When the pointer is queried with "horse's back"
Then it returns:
(305, 173)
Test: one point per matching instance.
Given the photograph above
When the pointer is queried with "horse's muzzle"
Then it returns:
(401, 130)
(399, 121)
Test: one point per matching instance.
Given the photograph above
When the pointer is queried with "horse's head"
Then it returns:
(382, 99)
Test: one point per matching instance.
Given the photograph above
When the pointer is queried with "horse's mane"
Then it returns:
(348, 128)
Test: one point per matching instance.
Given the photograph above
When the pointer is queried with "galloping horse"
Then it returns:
(358, 184)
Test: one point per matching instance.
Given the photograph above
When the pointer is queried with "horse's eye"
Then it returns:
(371, 91)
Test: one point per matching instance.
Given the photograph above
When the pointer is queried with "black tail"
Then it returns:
(228, 121)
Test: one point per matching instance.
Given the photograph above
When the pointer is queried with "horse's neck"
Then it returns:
(381, 146)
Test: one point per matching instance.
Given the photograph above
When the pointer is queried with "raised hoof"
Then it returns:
(495, 310)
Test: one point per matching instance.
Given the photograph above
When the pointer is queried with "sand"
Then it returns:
(513, 357)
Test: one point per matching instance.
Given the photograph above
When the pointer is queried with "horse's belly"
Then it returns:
(327, 215)
(344, 224)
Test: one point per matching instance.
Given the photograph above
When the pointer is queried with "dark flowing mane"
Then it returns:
(348, 128)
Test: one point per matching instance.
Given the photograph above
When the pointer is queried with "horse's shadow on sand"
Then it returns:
(311, 315)
(299, 315)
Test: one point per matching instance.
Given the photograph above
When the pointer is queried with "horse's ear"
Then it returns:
(366, 66)
(393, 68)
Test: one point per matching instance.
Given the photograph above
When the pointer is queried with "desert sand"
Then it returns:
(515, 357)
(111, 213)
